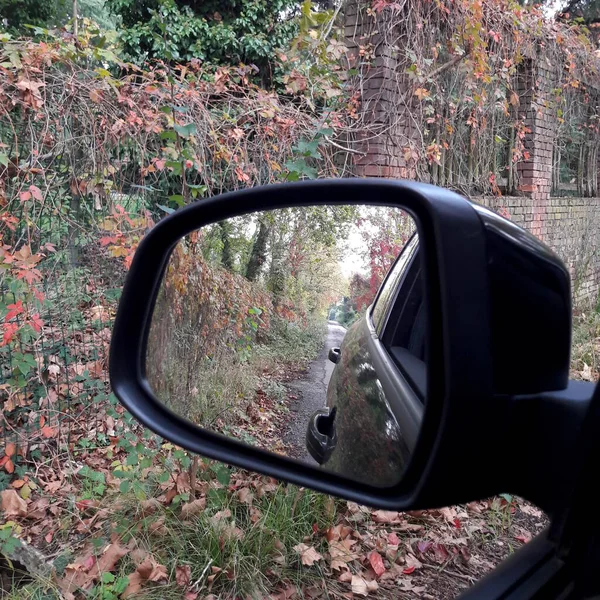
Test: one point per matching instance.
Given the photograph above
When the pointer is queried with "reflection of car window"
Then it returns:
(390, 285)
(405, 334)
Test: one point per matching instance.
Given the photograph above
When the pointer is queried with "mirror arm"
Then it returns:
(542, 466)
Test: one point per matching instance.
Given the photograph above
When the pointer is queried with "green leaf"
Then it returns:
(175, 165)
(92, 475)
(125, 486)
(168, 135)
(185, 130)
(300, 168)
(107, 577)
(120, 585)
(325, 131)
(10, 545)
(308, 148)
(4, 159)
(163, 477)
(166, 209)
(222, 473)
(179, 109)
(178, 199)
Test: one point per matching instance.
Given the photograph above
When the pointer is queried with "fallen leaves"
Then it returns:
(386, 516)
(377, 563)
(191, 509)
(183, 575)
(147, 570)
(13, 505)
(362, 586)
(83, 573)
(308, 555)
(341, 553)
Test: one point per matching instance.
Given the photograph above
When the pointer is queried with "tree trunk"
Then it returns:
(75, 25)
(226, 253)
(258, 253)
(74, 213)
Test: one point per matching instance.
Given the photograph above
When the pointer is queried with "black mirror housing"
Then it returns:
(334, 355)
(472, 378)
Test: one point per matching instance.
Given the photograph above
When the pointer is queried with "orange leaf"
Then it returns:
(24, 196)
(48, 432)
(10, 449)
(9, 466)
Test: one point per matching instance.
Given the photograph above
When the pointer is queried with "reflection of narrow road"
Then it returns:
(312, 394)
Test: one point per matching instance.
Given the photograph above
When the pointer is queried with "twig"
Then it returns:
(453, 573)
(352, 150)
(199, 580)
(447, 65)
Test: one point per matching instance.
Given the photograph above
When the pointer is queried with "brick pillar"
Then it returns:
(537, 110)
(386, 142)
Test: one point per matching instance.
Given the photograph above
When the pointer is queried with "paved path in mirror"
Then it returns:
(311, 390)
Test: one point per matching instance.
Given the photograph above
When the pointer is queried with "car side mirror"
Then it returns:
(334, 355)
(489, 291)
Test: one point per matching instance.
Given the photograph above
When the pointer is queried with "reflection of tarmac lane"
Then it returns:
(312, 394)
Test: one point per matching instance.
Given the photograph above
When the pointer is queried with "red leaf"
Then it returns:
(9, 331)
(523, 538)
(36, 192)
(105, 241)
(24, 196)
(393, 539)
(408, 570)
(441, 554)
(36, 322)
(14, 310)
(377, 563)
(457, 523)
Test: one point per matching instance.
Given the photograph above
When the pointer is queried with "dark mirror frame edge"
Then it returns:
(454, 257)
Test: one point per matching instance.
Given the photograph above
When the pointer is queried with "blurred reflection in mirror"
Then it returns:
(246, 319)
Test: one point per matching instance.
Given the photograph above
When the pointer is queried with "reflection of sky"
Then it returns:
(352, 257)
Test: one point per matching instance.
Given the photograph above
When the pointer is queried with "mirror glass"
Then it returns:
(302, 331)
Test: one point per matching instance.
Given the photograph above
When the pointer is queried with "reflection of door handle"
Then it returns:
(320, 435)
(334, 355)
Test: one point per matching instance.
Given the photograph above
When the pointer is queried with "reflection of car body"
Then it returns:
(371, 422)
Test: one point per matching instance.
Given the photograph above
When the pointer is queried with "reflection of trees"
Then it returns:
(385, 232)
(294, 253)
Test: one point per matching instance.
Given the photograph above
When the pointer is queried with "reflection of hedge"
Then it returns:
(202, 308)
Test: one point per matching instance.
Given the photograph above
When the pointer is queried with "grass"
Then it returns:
(249, 565)
(245, 554)
(213, 391)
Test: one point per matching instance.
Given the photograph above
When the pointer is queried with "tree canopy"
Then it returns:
(217, 31)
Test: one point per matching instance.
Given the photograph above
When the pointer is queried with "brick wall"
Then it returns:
(391, 122)
(571, 227)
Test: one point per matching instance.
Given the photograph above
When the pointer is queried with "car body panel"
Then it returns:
(370, 446)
